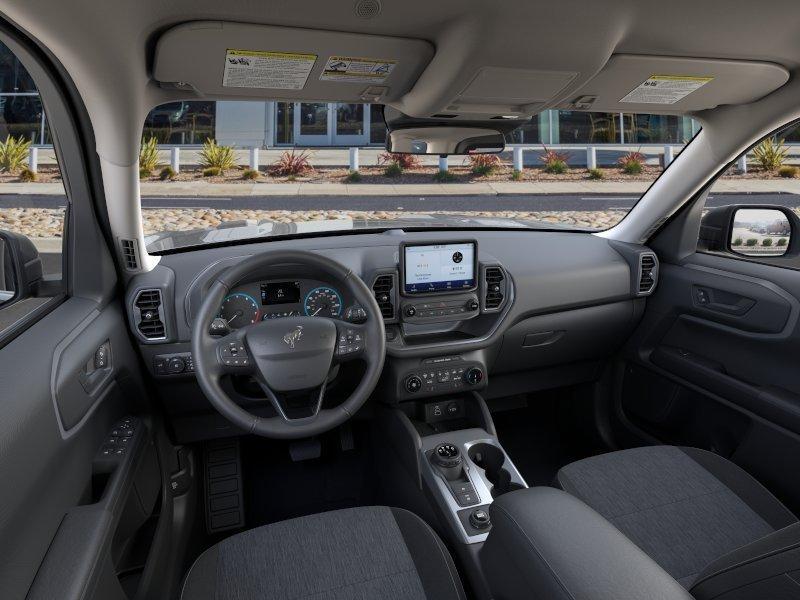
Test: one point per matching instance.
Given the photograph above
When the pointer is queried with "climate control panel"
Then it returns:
(453, 307)
(443, 375)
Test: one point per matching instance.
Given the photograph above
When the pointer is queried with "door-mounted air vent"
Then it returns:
(147, 313)
(495, 288)
(129, 254)
(648, 273)
(383, 288)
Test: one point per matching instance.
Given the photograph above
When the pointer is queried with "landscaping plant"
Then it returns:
(353, 177)
(751, 242)
(13, 153)
(483, 164)
(291, 164)
(766, 242)
(393, 169)
(405, 161)
(632, 163)
(212, 172)
(516, 175)
(167, 173)
(738, 241)
(554, 161)
(788, 171)
(250, 174)
(443, 176)
(595, 174)
(781, 242)
(771, 153)
(148, 157)
(26, 175)
(214, 156)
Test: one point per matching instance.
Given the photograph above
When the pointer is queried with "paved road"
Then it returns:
(517, 202)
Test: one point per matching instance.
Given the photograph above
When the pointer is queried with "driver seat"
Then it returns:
(365, 553)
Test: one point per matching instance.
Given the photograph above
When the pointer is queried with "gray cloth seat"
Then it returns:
(693, 512)
(366, 553)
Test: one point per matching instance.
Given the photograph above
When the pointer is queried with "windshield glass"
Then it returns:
(215, 172)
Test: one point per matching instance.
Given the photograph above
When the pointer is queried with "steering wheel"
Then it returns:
(288, 355)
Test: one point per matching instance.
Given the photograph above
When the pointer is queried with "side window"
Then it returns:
(753, 210)
(32, 199)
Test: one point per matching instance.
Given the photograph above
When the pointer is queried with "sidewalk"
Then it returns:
(497, 188)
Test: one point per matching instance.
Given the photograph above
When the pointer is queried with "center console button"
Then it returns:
(473, 376)
(479, 518)
(472, 304)
(411, 311)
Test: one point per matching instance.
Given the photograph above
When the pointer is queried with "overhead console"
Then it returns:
(238, 60)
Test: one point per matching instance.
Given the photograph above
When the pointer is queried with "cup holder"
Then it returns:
(490, 458)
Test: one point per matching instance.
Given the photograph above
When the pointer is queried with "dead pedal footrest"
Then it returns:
(224, 498)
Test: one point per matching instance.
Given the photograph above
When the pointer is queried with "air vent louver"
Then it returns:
(383, 289)
(129, 254)
(150, 325)
(495, 287)
(647, 273)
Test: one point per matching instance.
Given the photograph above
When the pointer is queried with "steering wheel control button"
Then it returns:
(479, 518)
(350, 342)
(233, 354)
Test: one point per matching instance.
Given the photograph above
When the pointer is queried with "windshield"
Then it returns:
(216, 172)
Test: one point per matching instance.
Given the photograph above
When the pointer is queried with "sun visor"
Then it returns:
(219, 60)
(673, 85)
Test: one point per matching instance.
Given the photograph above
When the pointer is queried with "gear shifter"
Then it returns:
(448, 458)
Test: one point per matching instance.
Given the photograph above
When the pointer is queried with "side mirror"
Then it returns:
(20, 267)
(766, 232)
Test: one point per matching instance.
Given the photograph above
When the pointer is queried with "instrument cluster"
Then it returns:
(261, 301)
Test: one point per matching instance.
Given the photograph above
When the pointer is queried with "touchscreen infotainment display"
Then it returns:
(439, 267)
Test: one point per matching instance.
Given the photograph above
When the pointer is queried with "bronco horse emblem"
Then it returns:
(293, 336)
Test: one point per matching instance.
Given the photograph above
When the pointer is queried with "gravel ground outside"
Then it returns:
(48, 223)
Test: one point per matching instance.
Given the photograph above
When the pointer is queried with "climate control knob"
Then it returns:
(413, 384)
(472, 305)
(473, 376)
(411, 311)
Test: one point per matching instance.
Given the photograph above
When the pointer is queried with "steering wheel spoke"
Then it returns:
(351, 341)
(316, 396)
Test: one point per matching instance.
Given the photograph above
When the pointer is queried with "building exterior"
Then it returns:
(269, 124)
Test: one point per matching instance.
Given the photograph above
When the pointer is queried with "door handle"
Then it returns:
(721, 301)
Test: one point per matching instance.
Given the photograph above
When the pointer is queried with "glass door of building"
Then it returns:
(312, 124)
(352, 125)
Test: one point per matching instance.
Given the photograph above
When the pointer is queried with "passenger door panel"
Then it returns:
(714, 364)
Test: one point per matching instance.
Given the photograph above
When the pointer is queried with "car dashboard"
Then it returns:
(529, 310)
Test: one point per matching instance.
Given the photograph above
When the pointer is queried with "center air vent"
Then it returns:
(383, 288)
(495, 282)
(148, 316)
(648, 273)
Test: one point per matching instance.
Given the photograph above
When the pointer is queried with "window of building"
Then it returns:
(377, 127)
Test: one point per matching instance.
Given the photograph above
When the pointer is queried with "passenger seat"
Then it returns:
(705, 521)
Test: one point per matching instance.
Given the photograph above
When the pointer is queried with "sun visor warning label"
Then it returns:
(268, 70)
(357, 70)
(665, 89)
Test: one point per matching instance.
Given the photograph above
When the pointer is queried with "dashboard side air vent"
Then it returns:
(129, 254)
(147, 314)
(384, 289)
(495, 288)
(648, 273)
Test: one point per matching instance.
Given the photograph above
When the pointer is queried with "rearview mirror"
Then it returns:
(443, 136)
(20, 267)
(760, 232)
(445, 140)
